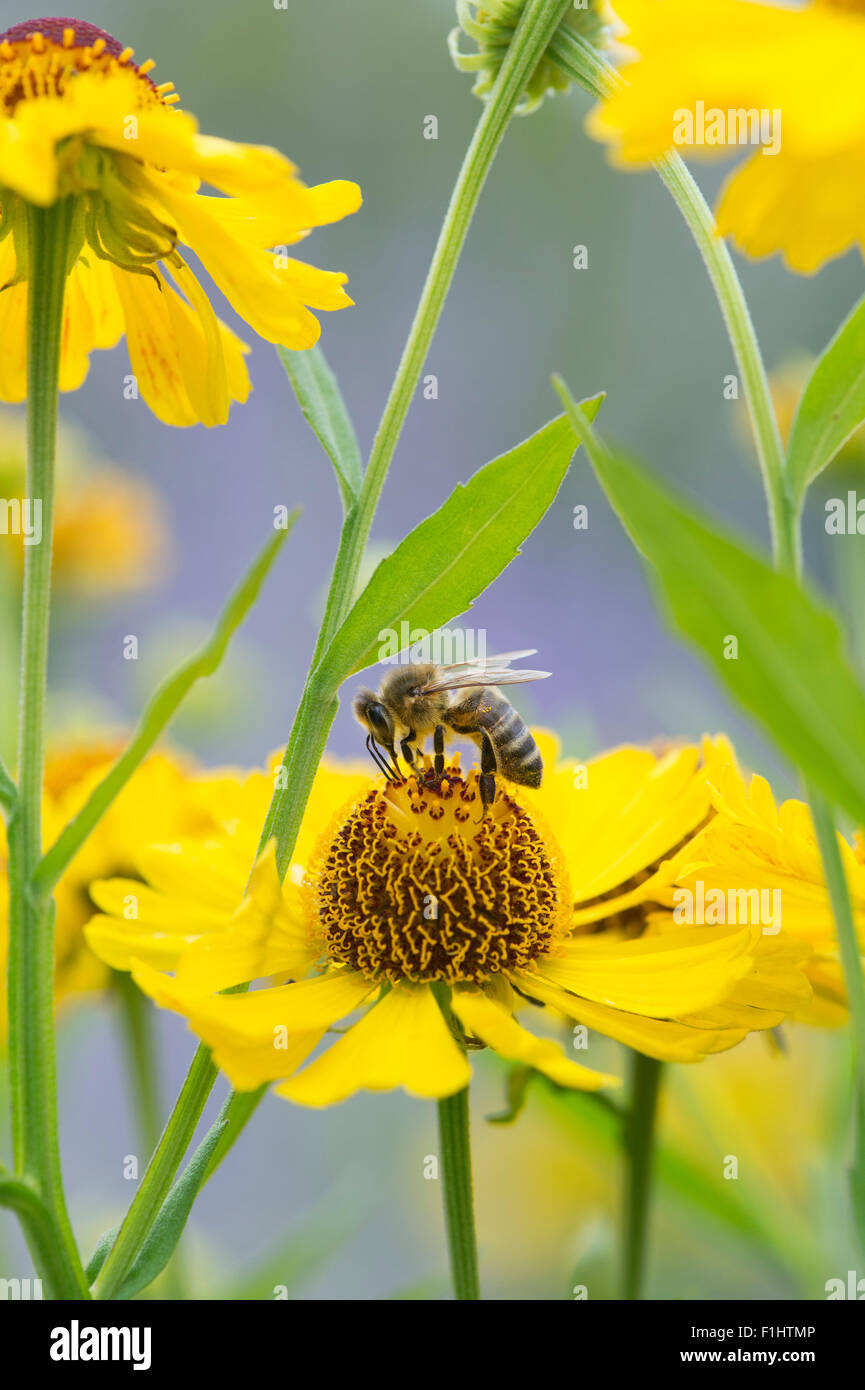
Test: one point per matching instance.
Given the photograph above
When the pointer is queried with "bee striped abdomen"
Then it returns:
(517, 755)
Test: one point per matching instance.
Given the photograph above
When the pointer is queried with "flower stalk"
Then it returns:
(32, 1057)
(457, 1196)
(639, 1138)
(590, 69)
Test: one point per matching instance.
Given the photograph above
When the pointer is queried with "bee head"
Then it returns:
(374, 716)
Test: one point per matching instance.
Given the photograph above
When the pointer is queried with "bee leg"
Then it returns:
(439, 749)
(487, 779)
(389, 749)
(411, 756)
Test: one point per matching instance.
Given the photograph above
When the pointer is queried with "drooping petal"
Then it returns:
(13, 337)
(265, 1034)
(402, 1041)
(660, 1038)
(153, 348)
(497, 1027)
(260, 286)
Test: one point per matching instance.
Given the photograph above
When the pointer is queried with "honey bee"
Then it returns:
(418, 700)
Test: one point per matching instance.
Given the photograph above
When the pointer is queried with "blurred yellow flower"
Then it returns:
(787, 382)
(751, 844)
(710, 75)
(409, 896)
(110, 534)
(79, 119)
(163, 799)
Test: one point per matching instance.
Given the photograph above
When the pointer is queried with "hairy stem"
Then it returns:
(32, 1060)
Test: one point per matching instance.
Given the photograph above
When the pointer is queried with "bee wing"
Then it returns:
(500, 660)
(487, 675)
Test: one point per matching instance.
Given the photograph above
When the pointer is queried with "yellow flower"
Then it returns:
(752, 845)
(787, 382)
(110, 535)
(439, 925)
(162, 799)
(708, 75)
(79, 119)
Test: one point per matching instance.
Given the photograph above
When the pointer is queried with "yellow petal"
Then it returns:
(633, 810)
(13, 337)
(203, 870)
(662, 976)
(667, 1041)
(153, 350)
(495, 1026)
(119, 943)
(267, 936)
(808, 209)
(266, 297)
(265, 1034)
(402, 1041)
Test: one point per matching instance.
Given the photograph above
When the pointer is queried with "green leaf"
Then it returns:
(321, 401)
(790, 672)
(832, 405)
(100, 1253)
(159, 712)
(8, 790)
(237, 1111)
(441, 567)
(168, 1226)
(517, 1089)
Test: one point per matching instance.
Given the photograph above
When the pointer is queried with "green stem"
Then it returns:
(851, 958)
(456, 1163)
(586, 66)
(136, 1019)
(157, 1180)
(639, 1148)
(32, 1060)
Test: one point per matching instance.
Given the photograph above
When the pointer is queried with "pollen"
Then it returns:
(416, 884)
(40, 57)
